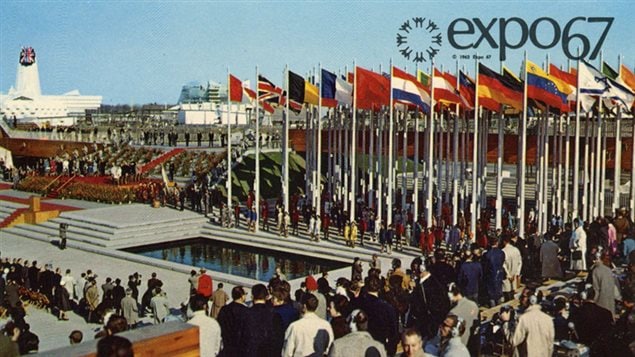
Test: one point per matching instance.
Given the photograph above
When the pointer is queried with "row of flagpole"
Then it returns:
(592, 201)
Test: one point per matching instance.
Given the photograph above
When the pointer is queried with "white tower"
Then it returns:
(28, 78)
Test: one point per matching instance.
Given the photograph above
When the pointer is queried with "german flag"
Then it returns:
(495, 90)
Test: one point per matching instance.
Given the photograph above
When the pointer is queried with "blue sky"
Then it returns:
(134, 52)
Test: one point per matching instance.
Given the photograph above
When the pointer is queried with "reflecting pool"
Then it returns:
(242, 260)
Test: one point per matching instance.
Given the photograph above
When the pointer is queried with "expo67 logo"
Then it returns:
(419, 39)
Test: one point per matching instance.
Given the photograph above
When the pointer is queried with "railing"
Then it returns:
(65, 183)
(45, 189)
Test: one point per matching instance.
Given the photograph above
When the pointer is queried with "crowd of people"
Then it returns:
(433, 306)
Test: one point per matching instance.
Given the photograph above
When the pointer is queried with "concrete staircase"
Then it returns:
(105, 233)
(9, 211)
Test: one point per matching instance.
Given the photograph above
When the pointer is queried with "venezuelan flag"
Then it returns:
(547, 89)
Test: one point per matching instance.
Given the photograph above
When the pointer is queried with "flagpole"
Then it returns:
(499, 167)
(380, 166)
(404, 155)
(318, 188)
(353, 149)
(618, 151)
(371, 162)
(391, 134)
(229, 145)
(576, 140)
(523, 154)
(257, 203)
(588, 170)
(430, 160)
(346, 154)
(545, 173)
(285, 149)
(455, 159)
(474, 155)
(415, 181)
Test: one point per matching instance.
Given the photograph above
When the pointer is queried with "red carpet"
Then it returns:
(12, 217)
(44, 206)
(5, 186)
(161, 159)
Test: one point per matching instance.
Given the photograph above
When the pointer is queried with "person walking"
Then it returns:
(534, 335)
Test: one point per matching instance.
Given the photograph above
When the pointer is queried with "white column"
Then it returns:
(499, 171)
(618, 162)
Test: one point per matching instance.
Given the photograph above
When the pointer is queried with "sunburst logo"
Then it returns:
(419, 39)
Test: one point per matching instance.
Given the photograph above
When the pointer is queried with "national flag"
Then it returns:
(252, 97)
(311, 95)
(423, 78)
(372, 89)
(594, 83)
(467, 89)
(444, 90)
(519, 86)
(567, 77)
(335, 90)
(546, 89)
(293, 105)
(608, 71)
(296, 87)
(627, 77)
(235, 89)
(301, 91)
(268, 92)
(408, 90)
(328, 88)
(495, 89)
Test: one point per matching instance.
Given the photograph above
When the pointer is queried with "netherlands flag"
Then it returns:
(407, 90)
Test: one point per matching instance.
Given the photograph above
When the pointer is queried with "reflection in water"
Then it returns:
(251, 262)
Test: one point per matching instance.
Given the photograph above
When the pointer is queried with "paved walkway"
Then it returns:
(54, 334)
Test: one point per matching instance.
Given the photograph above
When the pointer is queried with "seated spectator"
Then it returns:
(76, 337)
(114, 346)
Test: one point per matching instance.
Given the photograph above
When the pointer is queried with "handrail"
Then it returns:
(66, 183)
(45, 189)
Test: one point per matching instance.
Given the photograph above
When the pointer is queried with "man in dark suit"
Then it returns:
(382, 317)
(232, 319)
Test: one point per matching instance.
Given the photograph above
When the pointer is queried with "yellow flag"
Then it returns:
(311, 95)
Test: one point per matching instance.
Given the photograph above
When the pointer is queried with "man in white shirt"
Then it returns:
(512, 265)
(208, 328)
(69, 283)
(310, 335)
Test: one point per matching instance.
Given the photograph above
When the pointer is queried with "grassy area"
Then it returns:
(243, 177)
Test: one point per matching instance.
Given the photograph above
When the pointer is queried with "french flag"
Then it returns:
(407, 90)
(335, 90)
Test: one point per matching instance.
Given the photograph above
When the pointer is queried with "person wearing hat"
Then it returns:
(205, 285)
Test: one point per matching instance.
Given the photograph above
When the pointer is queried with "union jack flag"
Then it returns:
(268, 92)
(27, 56)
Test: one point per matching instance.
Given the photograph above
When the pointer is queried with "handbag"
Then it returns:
(576, 255)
